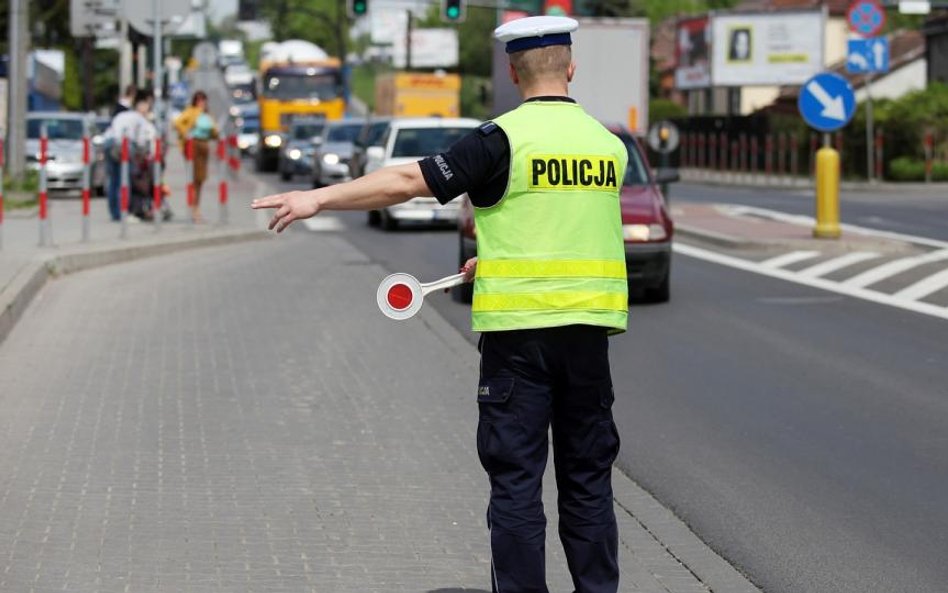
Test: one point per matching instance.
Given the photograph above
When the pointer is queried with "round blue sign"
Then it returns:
(866, 17)
(827, 102)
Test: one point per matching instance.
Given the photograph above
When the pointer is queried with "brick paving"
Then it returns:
(242, 418)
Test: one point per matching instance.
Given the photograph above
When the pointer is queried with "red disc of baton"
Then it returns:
(400, 297)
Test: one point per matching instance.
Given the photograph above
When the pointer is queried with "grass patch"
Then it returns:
(13, 203)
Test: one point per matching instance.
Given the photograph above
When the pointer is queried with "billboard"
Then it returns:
(430, 48)
(766, 49)
(693, 54)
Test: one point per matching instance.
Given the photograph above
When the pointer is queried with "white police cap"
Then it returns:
(536, 31)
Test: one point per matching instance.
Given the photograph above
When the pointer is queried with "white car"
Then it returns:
(409, 140)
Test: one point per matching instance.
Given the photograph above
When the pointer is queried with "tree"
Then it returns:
(323, 22)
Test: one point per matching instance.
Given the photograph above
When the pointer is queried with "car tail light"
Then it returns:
(640, 233)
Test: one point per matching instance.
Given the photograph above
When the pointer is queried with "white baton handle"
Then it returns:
(448, 282)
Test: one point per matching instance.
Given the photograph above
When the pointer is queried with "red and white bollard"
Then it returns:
(45, 232)
(1, 193)
(156, 185)
(753, 156)
(189, 168)
(222, 165)
(880, 145)
(794, 156)
(768, 155)
(86, 185)
(125, 173)
(724, 145)
(234, 155)
(713, 151)
(782, 154)
(929, 155)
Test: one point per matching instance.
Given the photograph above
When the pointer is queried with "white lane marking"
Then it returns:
(924, 287)
(855, 292)
(789, 258)
(837, 263)
(894, 267)
(323, 223)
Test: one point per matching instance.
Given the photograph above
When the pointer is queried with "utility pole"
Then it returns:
(125, 52)
(408, 40)
(16, 100)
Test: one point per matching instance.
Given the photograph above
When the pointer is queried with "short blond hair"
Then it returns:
(542, 63)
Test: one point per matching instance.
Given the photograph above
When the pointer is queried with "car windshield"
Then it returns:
(250, 125)
(344, 133)
(426, 141)
(299, 86)
(307, 131)
(243, 93)
(56, 128)
(636, 172)
(376, 131)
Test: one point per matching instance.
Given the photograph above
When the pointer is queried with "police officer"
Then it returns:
(549, 286)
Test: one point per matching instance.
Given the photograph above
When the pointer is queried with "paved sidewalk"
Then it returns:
(732, 226)
(246, 420)
(25, 266)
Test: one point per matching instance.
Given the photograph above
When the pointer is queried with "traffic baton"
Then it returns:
(1, 193)
(44, 227)
(86, 182)
(222, 178)
(400, 296)
(189, 168)
(156, 185)
(124, 173)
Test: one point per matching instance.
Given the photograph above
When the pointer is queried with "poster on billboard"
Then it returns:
(693, 53)
(761, 49)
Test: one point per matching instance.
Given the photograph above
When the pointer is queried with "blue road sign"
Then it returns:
(827, 102)
(868, 55)
(866, 17)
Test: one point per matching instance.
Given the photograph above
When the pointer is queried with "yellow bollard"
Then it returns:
(827, 194)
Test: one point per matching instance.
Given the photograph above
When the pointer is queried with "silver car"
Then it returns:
(64, 165)
(296, 151)
(334, 151)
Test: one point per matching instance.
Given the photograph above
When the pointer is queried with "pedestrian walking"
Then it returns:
(136, 125)
(549, 287)
(126, 101)
(195, 123)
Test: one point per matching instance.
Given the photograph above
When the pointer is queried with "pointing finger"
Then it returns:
(268, 202)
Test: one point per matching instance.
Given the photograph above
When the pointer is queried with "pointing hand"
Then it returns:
(290, 206)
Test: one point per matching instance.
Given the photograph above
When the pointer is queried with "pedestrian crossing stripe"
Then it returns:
(323, 224)
(907, 298)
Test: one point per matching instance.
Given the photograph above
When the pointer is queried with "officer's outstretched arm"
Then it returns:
(385, 187)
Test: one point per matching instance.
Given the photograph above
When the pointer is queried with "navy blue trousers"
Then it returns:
(532, 381)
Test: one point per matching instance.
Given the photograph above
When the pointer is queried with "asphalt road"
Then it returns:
(914, 211)
(800, 433)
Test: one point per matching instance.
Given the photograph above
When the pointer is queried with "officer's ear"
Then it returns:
(513, 73)
(570, 71)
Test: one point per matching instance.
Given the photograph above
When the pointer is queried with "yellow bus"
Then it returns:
(295, 83)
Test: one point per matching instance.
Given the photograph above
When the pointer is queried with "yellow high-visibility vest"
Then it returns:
(550, 252)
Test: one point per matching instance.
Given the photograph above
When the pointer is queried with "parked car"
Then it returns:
(64, 168)
(299, 143)
(334, 151)
(647, 228)
(371, 134)
(406, 141)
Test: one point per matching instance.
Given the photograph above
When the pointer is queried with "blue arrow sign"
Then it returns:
(827, 102)
(868, 55)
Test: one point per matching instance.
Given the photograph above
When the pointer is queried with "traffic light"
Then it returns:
(357, 8)
(453, 11)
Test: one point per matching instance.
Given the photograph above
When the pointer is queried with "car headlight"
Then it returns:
(294, 153)
(273, 140)
(331, 159)
(243, 143)
(643, 232)
(234, 111)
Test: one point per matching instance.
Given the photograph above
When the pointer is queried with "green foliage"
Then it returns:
(474, 37)
(28, 183)
(362, 80)
(72, 84)
(906, 168)
(659, 109)
(323, 22)
(475, 97)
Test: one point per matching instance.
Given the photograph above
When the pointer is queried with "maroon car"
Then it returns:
(646, 226)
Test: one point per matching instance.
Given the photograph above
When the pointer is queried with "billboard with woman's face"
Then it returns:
(693, 51)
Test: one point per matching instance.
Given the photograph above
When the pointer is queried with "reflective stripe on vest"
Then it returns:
(550, 269)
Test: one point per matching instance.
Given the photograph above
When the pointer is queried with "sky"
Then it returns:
(220, 9)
